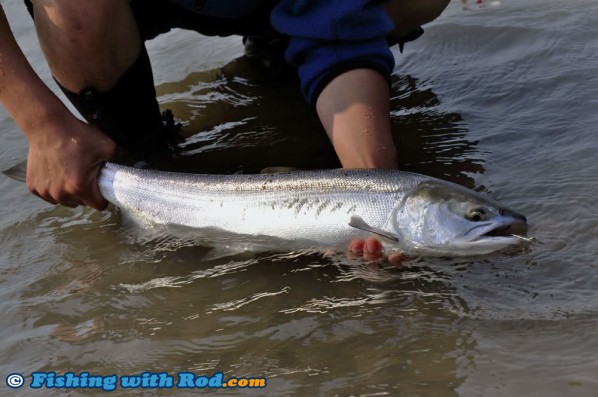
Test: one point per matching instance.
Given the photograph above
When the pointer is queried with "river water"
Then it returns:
(500, 98)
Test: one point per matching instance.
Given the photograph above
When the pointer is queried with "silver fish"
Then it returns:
(413, 213)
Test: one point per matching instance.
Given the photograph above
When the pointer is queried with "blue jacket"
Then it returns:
(327, 37)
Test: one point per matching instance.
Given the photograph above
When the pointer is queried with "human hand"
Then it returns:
(64, 161)
(371, 250)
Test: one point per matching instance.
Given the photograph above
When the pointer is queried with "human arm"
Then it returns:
(341, 53)
(65, 154)
(344, 63)
(354, 110)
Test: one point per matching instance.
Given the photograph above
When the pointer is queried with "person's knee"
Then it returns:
(408, 15)
(87, 42)
(81, 20)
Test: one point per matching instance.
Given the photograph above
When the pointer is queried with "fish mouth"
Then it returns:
(515, 230)
(501, 231)
(501, 228)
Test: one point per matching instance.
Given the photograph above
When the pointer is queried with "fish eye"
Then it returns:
(476, 215)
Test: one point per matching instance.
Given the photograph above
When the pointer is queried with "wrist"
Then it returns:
(43, 119)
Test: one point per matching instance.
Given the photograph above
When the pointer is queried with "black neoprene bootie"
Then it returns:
(128, 112)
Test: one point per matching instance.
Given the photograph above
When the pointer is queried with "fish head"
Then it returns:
(443, 218)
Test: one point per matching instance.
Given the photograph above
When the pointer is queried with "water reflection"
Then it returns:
(240, 118)
(431, 141)
(389, 329)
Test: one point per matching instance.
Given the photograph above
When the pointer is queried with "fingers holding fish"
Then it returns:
(371, 249)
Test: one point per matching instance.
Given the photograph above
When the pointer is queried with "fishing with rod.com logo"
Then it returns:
(145, 380)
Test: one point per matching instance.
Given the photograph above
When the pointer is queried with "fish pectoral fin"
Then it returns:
(17, 172)
(358, 223)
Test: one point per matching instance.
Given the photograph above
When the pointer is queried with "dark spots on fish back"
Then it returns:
(337, 206)
(322, 207)
(299, 205)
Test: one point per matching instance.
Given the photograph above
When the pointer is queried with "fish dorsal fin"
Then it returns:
(17, 172)
(358, 223)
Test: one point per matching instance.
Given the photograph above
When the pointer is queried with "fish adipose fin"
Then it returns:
(358, 223)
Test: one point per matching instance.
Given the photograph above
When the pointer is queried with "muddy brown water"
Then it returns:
(502, 99)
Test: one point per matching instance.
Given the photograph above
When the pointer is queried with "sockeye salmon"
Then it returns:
(417, 214)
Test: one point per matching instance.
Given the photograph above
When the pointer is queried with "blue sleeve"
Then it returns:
(330, 37)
